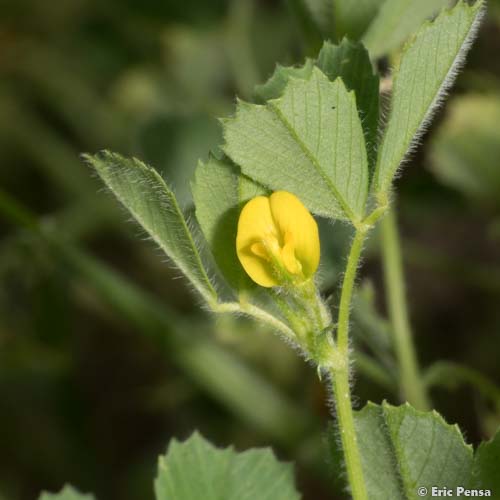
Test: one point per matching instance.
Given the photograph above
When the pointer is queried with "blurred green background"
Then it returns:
(104, 353)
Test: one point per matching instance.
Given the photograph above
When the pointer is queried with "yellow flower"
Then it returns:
(277, 240)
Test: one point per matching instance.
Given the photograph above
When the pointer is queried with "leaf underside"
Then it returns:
(275, 86)
(403, 449)
(219, 191)
(351, 62)
(195, 470)
(150, 201)
(309, 142)
(427, 68)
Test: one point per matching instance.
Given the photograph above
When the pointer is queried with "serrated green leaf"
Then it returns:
(465, 149)
(403, 449)
(309, 142)
(147, 197)
(195, 470)
(351, 62)
(275, 86)
(427, 68)
(219, 190)
(396, 21)
(486, 465)
(351, 19)
(67, 493)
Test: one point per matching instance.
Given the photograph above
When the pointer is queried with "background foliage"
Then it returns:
(103, 355)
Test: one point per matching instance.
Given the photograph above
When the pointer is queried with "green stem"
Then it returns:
(347, 288)
(340, 376)
(411, 382)
(315, 308)
(257, 313)
(352, 457)
(297, 321)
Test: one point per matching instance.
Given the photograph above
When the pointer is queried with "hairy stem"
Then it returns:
(347, 429)
(340, 375)
(411, 383)
(247, 309)
(347, 288)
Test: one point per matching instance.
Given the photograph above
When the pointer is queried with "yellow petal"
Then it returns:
(290, 215)
(288, 255)
(260, 251)
(254, 224)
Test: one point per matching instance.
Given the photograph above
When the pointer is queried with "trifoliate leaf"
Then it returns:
(403, 449)
(150, 201)
(428, 66)
(195, 470)
(219, 191)
(351, 62)
(308, 142)
(67, 493)
(275, 86)
(465, 149)
(395, 21)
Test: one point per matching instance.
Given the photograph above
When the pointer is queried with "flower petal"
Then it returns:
(254, 224)
(290, 215)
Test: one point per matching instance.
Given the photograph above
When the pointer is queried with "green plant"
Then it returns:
(315, 135)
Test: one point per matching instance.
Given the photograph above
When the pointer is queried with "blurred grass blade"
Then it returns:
(196, 470)
(351, 19)
(372, 330)
(452, 375)
(427, 69)
(145, 194)
(484, 275)
(223, 375)
(308, 23)
(37, 64)
(47, 149)
(396, 21)
(374, 372)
